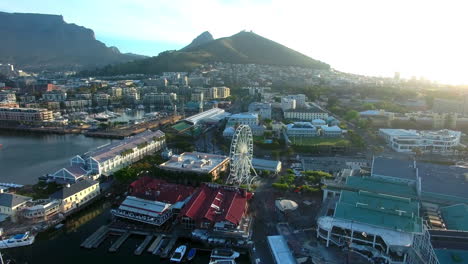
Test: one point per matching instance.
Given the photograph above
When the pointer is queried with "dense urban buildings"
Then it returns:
(26, 114)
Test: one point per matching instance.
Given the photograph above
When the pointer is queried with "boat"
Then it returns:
(224, 253)
(102, 117)
(18, 240)
(178, 254)
(223, 261)
(191, 254)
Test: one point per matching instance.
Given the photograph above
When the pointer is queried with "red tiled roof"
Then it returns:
(217, 203)
(160, 190)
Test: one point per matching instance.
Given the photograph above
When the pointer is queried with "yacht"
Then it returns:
(18, 240)
(178, 254)
(224, 253)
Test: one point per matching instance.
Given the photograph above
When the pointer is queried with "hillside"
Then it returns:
(242, 48)
(37, 41)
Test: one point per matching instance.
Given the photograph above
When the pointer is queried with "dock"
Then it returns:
(96, 238)
(167, 250)
(119, 242)
(155, 243)
(143, 245)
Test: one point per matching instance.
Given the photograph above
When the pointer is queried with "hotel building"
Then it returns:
(403, 140)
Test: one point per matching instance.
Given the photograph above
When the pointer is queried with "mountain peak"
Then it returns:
(203, 38)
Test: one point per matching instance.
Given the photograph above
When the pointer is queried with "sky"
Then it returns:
(426, 39)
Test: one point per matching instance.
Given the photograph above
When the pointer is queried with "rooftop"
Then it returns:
(382, 185)
(217, 203)
(11, 200)
(74, 188)
(456, 217)
(194, 161)
(380, 210)
(394, 168)
(160, 190)
(280, 250)
(112, 150)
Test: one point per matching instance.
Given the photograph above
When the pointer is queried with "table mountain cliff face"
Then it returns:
(37, 41)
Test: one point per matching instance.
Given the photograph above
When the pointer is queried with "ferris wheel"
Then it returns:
(241, 154)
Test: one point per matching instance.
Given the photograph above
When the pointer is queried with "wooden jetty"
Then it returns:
(96, 238)
(119, 242)
(155, 243)
(167, 250)
(143, 245)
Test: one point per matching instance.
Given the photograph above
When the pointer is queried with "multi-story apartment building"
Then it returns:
(288, 104)
(262, 109)
(26, 114)
(159, 99)
(101, 99)
(78, 104)
(402, 140)
(7, 96)
(299, 98)
(54, 96)
(223, 92)
(197, 97)
(116, 92)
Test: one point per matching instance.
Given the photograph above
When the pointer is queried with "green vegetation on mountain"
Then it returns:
(241, 48)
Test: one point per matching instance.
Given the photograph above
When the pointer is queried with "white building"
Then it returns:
(11, 203)
(250, 119)
(54, 96)
(305, 114)
(110, 158)
(73, 196)
(299, 98)
(288, 104)
(331, 131)
(402, 140)
(301, 129)
(204, 115)
(262, 109)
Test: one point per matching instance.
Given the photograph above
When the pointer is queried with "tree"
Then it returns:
(351, 115)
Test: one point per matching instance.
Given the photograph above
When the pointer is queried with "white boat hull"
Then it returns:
(8, 244)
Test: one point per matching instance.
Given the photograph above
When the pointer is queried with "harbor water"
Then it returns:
(63, 245)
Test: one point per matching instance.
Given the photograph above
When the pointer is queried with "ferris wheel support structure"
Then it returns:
(241, 154)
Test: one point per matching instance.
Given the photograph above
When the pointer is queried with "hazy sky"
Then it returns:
(374, 37)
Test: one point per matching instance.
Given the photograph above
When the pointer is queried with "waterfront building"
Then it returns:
(153, 201)
(10, 204)
(263, 110)
(403, 140)
(74, 196)
(41, 209)
(216, 207)
(301, 129)
(101, 99)
(68, 175)
(110, 158)
(197, 162)
(78, 104)
(26, 114)
(305, 114)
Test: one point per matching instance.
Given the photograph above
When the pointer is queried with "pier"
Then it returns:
(167, 250)
(143, 245)
(119, 242)
(96, 238)
(155, 243)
